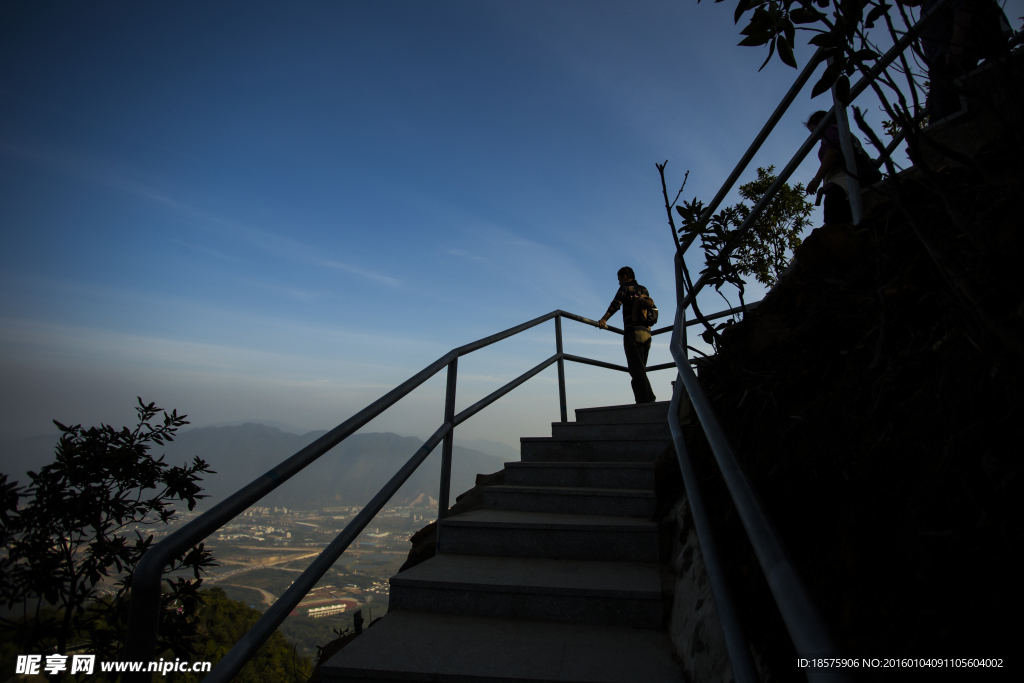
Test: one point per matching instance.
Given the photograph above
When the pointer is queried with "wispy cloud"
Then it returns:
(376, 277)
(98, 171)
(466, 255)
(81, 346)
(202, 250)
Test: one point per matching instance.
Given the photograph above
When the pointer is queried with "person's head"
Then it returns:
(626, 275)
(815, 119)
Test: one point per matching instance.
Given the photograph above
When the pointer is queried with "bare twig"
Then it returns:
(668, 205)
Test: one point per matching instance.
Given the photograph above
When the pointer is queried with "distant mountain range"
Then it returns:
(350, 474)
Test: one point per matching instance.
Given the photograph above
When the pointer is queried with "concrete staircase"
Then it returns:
(556, 578)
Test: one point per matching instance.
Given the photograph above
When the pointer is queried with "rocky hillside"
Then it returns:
(875, 399)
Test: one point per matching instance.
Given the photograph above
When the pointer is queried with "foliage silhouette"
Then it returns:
(71, 531)
(846, 35)
(763, 251)
(221, 623)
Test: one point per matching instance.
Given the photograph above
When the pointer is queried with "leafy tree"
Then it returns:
(71, 531)
(762, 251)
(845, 31)
(776, 232)
(222, 622)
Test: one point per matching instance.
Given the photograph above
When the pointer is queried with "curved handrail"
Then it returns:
(736, 647)
(806, 626)
(141, 633)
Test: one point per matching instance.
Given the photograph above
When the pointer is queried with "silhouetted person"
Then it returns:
(831, 172)
(634, 299)
(962, 33)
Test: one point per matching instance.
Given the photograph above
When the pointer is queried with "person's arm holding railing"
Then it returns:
(603, 322)
(833, 159)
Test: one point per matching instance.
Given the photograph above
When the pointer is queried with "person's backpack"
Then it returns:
(643, 313)
(867, 173)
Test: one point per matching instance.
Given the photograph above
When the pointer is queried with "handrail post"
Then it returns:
(561, 369)
(446, 449)
(849, 155)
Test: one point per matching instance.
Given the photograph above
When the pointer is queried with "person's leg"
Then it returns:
(837, 206)
(645, 350)
(635, 364)
(636, 361)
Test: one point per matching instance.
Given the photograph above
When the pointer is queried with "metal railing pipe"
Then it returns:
(446, 448)
(143, 619)
(562, 408)
(763, 202)
(244, 649)
(143, 616)
(802, 152)
(724, 314)
(487, 341)
(736, 647)
(596, 363)
(766, 130)
(613, 366)
(909, 37)
(495, 395)
(588, 321)
(721, 314)
(805, 624)
(849, 155)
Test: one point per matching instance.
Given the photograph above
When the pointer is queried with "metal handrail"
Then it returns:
(143, 618)
(766, 130)
(736, 647)
(863, 84)
(806, 626)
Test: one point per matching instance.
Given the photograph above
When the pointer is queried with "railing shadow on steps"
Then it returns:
(807, 628)
(144, 607)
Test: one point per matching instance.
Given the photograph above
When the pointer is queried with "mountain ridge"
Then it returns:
(349, 474)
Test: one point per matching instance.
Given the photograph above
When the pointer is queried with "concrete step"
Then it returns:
(571, 500)
(512, 533)
(419, 646)
(607, 475)
(625, 593)
(547, 449)
(644, 431)
(627, 414)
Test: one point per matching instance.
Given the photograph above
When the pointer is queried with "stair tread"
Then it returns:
(596, 437)
(623, 427)
(571, 490)
(582, 463)
(536, 575)
(549, 520)
(627, 406)
(437, 647)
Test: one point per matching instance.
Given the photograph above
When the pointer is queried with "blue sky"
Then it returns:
(282, 210)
